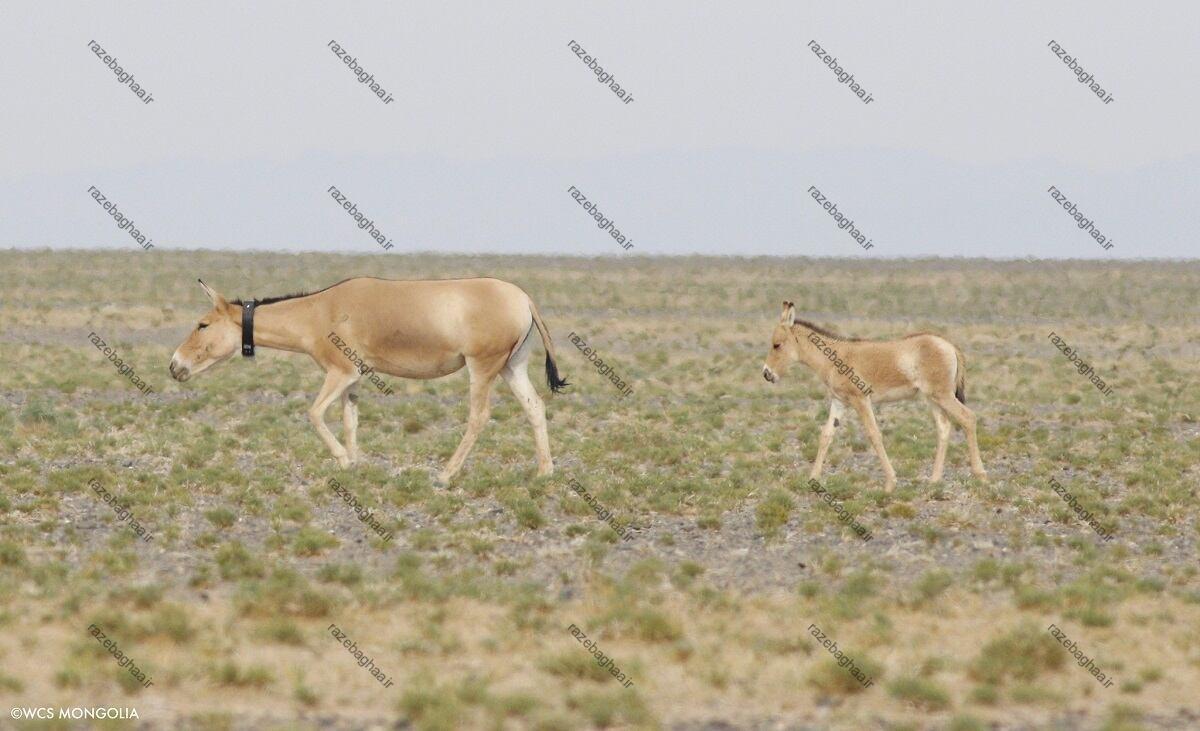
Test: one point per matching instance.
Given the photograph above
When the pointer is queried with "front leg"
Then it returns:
(336, 382)
(867, 414)
(827, 432)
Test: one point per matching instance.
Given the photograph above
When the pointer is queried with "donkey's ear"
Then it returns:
(217, 300)
(789, 314)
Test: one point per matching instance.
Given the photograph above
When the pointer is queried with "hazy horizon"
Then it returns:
(643, 255)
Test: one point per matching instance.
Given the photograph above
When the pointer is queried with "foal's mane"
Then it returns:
(834, 336)
(827, 333)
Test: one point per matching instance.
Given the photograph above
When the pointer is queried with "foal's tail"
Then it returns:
(556, 382)
(960, 380)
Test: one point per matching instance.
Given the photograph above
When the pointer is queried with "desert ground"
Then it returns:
(728, 560)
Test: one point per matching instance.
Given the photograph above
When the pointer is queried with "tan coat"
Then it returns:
(408, 329)
(863, 372)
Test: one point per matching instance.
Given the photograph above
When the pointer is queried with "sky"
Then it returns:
(494, 119)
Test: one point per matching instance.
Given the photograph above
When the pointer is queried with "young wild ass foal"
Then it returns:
(410, 329)
(861, 372)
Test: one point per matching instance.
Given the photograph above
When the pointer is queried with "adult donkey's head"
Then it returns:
(784, 348)
(217, 336)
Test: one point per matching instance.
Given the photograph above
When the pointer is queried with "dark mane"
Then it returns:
(834, 336)
(271, 300)
(822, 331)
(295, 295)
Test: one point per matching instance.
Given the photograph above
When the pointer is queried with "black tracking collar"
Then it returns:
(248, 328)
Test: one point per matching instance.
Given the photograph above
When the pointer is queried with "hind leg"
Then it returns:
(943, 435)
(966, 419)
(350, 421)
(483, 375)
(517, 377)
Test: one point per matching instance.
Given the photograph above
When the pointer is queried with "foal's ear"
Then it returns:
(789, 314)
(218, 302)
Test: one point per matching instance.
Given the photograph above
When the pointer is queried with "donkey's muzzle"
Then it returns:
(178, 372)
(769, 374)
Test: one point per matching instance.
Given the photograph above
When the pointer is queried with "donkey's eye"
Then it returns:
(776, 346)
(202, 325)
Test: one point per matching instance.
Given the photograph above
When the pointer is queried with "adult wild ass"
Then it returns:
(410, 329)
(862, 372)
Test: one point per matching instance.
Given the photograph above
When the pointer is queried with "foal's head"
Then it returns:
(217, 336)
(784, 348)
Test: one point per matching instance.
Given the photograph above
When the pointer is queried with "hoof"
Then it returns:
(933, 480)
(441, 480)
(981, 476)
(545, 472)
(343, 461)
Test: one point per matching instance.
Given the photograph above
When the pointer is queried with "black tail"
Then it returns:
(557, 383)
(960, 376)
